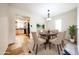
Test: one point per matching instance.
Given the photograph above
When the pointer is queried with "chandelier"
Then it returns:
(48, 19)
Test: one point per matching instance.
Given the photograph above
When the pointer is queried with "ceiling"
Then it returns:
(41, 8)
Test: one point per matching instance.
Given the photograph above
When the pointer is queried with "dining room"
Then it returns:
(54, 34)
(52, 29)
(39, 29)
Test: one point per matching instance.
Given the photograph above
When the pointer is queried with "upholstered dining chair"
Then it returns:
(37, 41)
(64, 38)
(58, 41)
(55, 31)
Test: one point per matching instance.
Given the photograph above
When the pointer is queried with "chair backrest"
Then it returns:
(59, 38)
(35, 38)
(61, 35)
(55, 31)
(65, 35)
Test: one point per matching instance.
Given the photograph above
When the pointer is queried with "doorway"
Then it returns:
(22, 29)
(22, 35)
(23, 25)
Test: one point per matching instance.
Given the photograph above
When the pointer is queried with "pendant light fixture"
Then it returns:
(48, 19)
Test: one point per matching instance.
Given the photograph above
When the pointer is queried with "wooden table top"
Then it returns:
(48, 34)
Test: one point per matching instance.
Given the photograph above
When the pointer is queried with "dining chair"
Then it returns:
(58, 41)
(55, 31)
(37, 41)
(64, 38)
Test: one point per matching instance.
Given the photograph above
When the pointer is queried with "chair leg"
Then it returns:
(33, 47)
(62, 43)
(58, 49)
(36, 49)
(45, 45)
(49, 45)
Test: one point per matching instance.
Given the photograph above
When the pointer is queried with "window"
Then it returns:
(20, 24)
(58, 24)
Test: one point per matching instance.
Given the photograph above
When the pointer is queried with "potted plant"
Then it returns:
(43, 26)
(72, 32)
(38, 25)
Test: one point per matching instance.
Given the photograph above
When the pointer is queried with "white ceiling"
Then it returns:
(41, 8)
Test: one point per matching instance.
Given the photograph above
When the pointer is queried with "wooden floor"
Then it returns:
(20, 47)
(17, 47)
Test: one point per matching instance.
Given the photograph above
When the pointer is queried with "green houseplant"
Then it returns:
(43, 26)
(38, 25)
(73, 33)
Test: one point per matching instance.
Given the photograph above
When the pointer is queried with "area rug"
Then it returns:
(66, 52)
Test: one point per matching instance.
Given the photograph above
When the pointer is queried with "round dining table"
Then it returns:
(47, 37)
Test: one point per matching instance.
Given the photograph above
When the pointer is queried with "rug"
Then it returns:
(66, 52)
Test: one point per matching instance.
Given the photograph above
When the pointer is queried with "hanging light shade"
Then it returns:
(48, 19)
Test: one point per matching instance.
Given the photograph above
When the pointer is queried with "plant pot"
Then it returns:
(72, 40)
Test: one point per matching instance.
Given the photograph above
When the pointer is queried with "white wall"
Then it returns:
(11, 28)
(13, 12)
(3, 28)
(78, 29)
(7, 24)
(68, 18)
